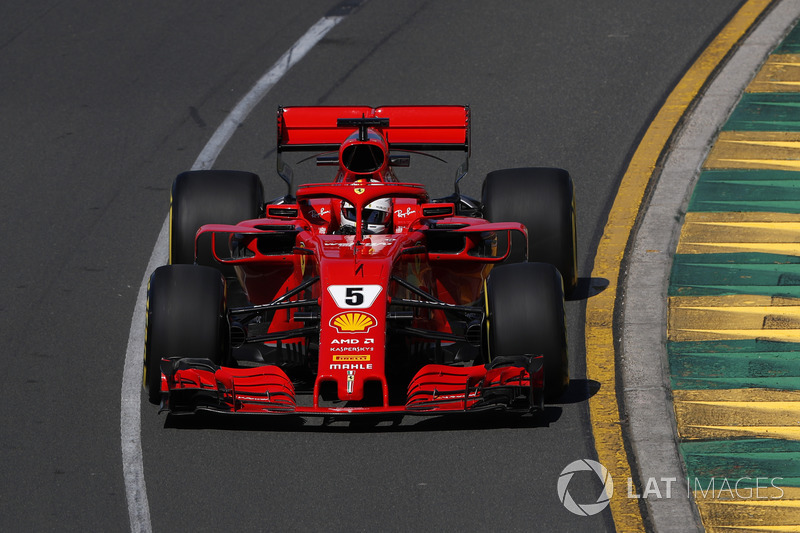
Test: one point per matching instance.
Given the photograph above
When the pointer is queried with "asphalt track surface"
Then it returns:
(103, 103)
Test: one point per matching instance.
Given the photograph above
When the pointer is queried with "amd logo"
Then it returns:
(352, 341)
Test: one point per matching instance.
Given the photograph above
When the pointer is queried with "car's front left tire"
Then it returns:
(186, 317)
(525, 316)
(210, 197)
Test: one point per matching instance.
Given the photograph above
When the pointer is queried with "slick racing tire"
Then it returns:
(541, 199)
(186, 317)
(210, 197)
(525, 316)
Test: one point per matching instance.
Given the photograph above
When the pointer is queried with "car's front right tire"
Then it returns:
(542, 199)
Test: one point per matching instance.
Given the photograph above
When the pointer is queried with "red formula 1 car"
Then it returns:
(362, 295)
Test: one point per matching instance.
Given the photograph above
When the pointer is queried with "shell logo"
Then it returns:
(353, 322)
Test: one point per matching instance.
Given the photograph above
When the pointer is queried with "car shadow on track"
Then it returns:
(579, 390)
(365, 424)
(587, 287)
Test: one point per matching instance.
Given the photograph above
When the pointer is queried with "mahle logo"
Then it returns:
(585, 509)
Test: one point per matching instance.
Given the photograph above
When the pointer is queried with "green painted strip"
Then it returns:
(779, 105)
(783, 125)
(765, 112)
(791, 44)
(758, 365)
(774, 191)
(735, 273)
(739, 346)
(748, 206)
(734, 364)
(774, 184)
(738, 446)
(734, 260)
(727, 290)
(734, 383)
(741, 458)
(772, 273)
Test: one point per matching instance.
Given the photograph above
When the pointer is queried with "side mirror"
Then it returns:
(438, 210)
(399, 160)
(283, 211)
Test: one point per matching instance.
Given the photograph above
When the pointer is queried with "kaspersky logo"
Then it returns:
(353, 322)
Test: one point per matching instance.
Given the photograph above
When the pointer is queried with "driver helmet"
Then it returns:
(375, 217)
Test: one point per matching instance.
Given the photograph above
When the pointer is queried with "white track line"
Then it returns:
(130, 412)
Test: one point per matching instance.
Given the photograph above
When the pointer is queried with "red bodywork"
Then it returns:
(355, 308)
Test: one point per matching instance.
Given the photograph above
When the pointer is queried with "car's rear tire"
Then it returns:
(525, 316)
(543, 200)
(186, 317)
(210, 197)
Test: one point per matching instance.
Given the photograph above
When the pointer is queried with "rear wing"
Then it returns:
(410, 128)
(317, 128)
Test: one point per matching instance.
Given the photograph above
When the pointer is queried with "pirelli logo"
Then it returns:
(361, 357)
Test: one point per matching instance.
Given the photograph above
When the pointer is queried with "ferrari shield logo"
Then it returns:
(359, 190)
(353, 322)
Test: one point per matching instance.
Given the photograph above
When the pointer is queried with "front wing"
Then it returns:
(513, 383)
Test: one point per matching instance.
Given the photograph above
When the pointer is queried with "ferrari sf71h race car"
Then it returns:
(361, 295)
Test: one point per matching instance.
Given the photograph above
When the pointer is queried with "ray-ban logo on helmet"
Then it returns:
(585, 509)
